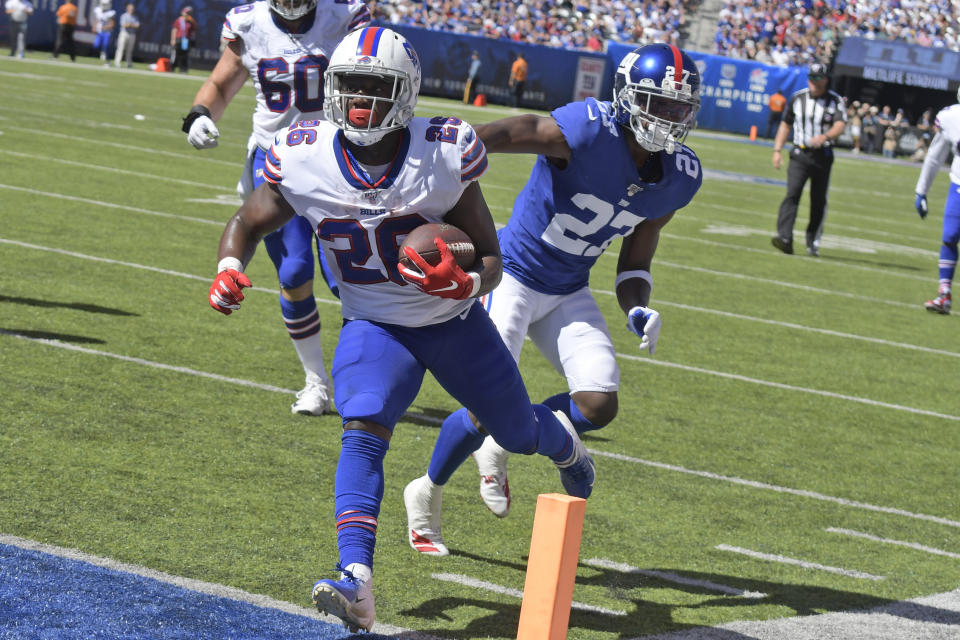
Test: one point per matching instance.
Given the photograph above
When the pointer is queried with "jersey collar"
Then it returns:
(302, 28)
(355, 175)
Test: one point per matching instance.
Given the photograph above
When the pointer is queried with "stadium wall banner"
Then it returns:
(899, 63)
(734, 93)
(555, 77)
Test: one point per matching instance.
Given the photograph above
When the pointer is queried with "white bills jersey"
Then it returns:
(101, 18)
(361, 220)
(946, 140)
(287, 68)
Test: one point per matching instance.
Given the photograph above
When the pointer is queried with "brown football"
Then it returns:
(421, 240)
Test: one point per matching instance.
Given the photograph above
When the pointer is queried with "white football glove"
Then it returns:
(203, 133)
(645, 322)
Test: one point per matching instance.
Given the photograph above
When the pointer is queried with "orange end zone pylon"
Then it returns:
(552, 567)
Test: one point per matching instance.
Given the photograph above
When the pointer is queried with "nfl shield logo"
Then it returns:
(370, 196)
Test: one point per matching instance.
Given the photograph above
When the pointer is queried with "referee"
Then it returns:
(816, 116)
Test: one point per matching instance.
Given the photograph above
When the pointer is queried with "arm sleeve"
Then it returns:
(936, 154)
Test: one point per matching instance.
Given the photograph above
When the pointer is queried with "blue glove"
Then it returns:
(921, 204)
(645, 323)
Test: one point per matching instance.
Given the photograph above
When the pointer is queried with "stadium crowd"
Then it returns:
(787, 32)
(582, 25)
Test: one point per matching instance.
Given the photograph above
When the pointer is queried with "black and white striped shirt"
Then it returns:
(811, 116)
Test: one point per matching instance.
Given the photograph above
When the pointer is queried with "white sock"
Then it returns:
(361, 572)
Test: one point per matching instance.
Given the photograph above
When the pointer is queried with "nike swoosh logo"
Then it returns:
(590, 113)
(451, 287)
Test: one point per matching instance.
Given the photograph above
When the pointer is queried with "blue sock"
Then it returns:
(564, 402)
(948, 261)
(357, 495)
(457, 440)
(553, 440)
(301, 317)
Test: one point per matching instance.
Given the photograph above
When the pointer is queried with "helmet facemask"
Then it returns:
(660, 117)
(394, 90)
(292, 9)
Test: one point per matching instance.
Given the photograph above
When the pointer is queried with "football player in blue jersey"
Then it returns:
(363, 179)
(605, 170)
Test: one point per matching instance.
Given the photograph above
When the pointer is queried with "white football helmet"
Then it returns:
(656, 95)
(292, 9)
(379, 53)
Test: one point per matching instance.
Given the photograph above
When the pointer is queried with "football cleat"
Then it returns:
(784, 245)
(423, 500)
(940, 304)
(491, 461)
(349, 599)
(313, 399)
(577, 472)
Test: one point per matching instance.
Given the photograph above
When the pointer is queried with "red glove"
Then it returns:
(225, 294)
(446, 279)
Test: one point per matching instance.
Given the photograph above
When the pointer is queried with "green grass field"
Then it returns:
(800, 408)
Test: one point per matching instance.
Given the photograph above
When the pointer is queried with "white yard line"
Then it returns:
(43, 133)
(207, 588)
(900, 543)
(667, 576)
(467, 581)
(147, 177)
(934, 617)
(110, 205)
(772, 487)
(789, 387)
(771, 557)
(437, 421)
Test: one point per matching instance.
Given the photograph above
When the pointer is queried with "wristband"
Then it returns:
(636, 273)
(195, 112)
(230, 263)
(475, 277)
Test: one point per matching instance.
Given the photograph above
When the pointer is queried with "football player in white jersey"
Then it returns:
(103, 22)
(364, 178)
(605, 170)
(284, 47)
(946, 140)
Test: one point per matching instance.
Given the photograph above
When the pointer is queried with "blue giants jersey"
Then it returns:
(565, 218)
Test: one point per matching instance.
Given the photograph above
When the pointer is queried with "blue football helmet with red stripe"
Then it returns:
(365, 54)
(292, 9)
(656, 94)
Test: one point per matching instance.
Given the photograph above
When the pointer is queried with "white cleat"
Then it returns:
(313, 399)
(349, 599)
(423, 500)
(491, 461)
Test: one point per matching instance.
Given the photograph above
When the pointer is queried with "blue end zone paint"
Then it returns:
(45, 596)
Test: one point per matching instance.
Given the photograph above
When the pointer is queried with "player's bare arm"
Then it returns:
(224, 82)
(264, 211)
(528, 133)
(636, 255)
(472, 215)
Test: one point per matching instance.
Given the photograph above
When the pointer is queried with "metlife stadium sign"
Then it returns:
(899, 63)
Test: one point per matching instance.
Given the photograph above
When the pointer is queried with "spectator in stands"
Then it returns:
(776, 105)
(884, 120)
(19, 11)
(869, 128)
(182, 38)
(518, 79)
(854, 121)
(66, 23)
(890, 138)
(128, 36)
(925, 126)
